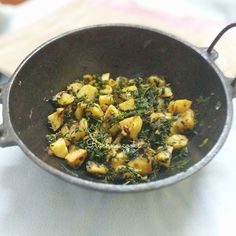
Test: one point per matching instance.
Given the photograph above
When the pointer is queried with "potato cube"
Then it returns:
(106, 99)
(95, 110)
(118, 160)
(75, 87)
(111, 111)
(106, 90)
(105, 77)
(56, 119)
(76, 158)
(184, 122)
(65, 99)
(127, 105)
(78, 131)
(64, 130)
(179, 106)
(141, 165)
(131, 126)
(59, 148)
(164, 156)
(177, 141)
(95, 168)
(88, 91)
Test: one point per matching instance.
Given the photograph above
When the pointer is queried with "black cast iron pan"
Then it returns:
(121, 50)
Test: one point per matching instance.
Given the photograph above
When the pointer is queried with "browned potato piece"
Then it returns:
(179, 106)
(59, 148)
(118, 160)
(141, 165)
(131, 126)
(177, 141)
(95, 168)
(56, 119)
(76, 158)
(185, 121)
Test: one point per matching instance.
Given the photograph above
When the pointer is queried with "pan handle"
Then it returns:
(6, 138)
(210, 52)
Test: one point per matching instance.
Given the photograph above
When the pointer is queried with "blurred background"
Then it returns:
(24, 24)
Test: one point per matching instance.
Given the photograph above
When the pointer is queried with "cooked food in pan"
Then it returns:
(119, 130)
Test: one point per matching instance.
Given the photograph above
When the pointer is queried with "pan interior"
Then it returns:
(119, 50)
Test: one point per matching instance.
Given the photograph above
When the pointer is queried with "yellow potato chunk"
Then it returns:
(95, 110)
(79, 112)
(154, 79)
(65, 99)
(127, 105)
(131, 126)
(95, 168)
(157, 115)
(88, 91)
(118, 160)
(78, 131)
(177, 141)
(185, 121)
(75, 87)
(106, 99)
(76, 158)
(105, 77)
(64, 130)
(164, 156)
(166, 92)
(141, 165)
(111, 111)
(59, 148)
(131, 88)
(56, 119)
(179, 106)
(106, 90)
